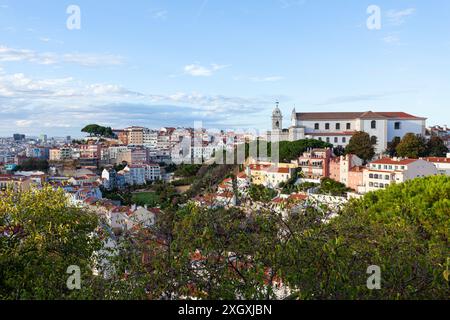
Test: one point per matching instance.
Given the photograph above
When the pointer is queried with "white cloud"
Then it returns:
(159, 14)
(398, 17)
(391, 39)
(197, 70)
(289, 3)
(24, 123)
(66, 103)
(8, 54)
(267, 79)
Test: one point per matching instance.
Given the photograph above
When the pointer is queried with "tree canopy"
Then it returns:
(411, 146)
(41, 235)
(362, 145)
(226, 254)
(95, 130)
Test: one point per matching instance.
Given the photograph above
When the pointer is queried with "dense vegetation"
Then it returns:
(331, 187)
(32, 164)
(362, 145)
(261, 193)
(95, 130)
(41, 235)
(288, 150)
(204, 253)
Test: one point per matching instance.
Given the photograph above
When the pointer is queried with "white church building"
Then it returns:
(337, 128)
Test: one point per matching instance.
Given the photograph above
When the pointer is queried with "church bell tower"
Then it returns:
(277, 119)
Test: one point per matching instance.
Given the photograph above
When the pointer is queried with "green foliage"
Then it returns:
(223, 254)
(261, 193)
(187, 170)
(411, 146)
(32, 164)
(436, 147)
(41, 235)
(183, 182)
(98, 131)
(333, 188)
(149, 199)
(208, 178)
(361, 144)
(288, 150)
(392, 147)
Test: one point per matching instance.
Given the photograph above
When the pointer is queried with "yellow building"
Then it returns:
(20, 184)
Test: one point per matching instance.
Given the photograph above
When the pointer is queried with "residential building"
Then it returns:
(384, 172)
(348, 170)
(269, 175)
(137, 174)
(16, 183)
(135, 136)
(152, 172)
(315, 163)
(442, 164)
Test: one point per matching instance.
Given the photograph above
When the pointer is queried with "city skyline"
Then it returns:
(124, 67)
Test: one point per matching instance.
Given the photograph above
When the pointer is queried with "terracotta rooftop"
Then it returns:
(354, 115)
(394, 162)
(438, 160)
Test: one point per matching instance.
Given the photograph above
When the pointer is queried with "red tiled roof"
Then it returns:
(354, 115)
(242, 175)
(438, 159)
(394, 162)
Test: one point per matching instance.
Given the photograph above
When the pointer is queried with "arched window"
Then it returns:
(374, 140)
(373, 124)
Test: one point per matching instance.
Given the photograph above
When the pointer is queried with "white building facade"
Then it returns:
(338, 128)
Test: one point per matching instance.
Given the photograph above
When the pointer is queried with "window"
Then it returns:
(386, 177)
(336, 140)
(338, 126)
(373, 124)
(349, 126)
(328, 140)
(316, 126)
(320, 138)
(374, 140)
(327, 126)
(344, 140)
(398, 125)
(375, 176)
(370, 184)
(371, 176)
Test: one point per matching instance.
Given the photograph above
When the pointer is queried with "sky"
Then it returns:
(225, 63)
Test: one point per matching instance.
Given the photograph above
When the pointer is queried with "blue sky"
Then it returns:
(170, 63)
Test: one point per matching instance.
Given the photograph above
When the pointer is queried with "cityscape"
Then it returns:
(111, 193)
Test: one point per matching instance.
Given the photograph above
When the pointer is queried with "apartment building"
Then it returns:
(384, 172)
(16, 183)
(315, 163)
(442, 164)
(269, 175)
(348, 170)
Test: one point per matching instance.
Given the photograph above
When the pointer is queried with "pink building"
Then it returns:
(90, 151)
(347, 170)
(315, 163)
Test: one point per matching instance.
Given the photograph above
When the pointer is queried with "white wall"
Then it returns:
(406, 126)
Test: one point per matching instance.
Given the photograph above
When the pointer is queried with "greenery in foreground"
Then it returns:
(403, 229)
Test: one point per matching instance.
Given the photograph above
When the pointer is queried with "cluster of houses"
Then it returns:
(314, 165)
